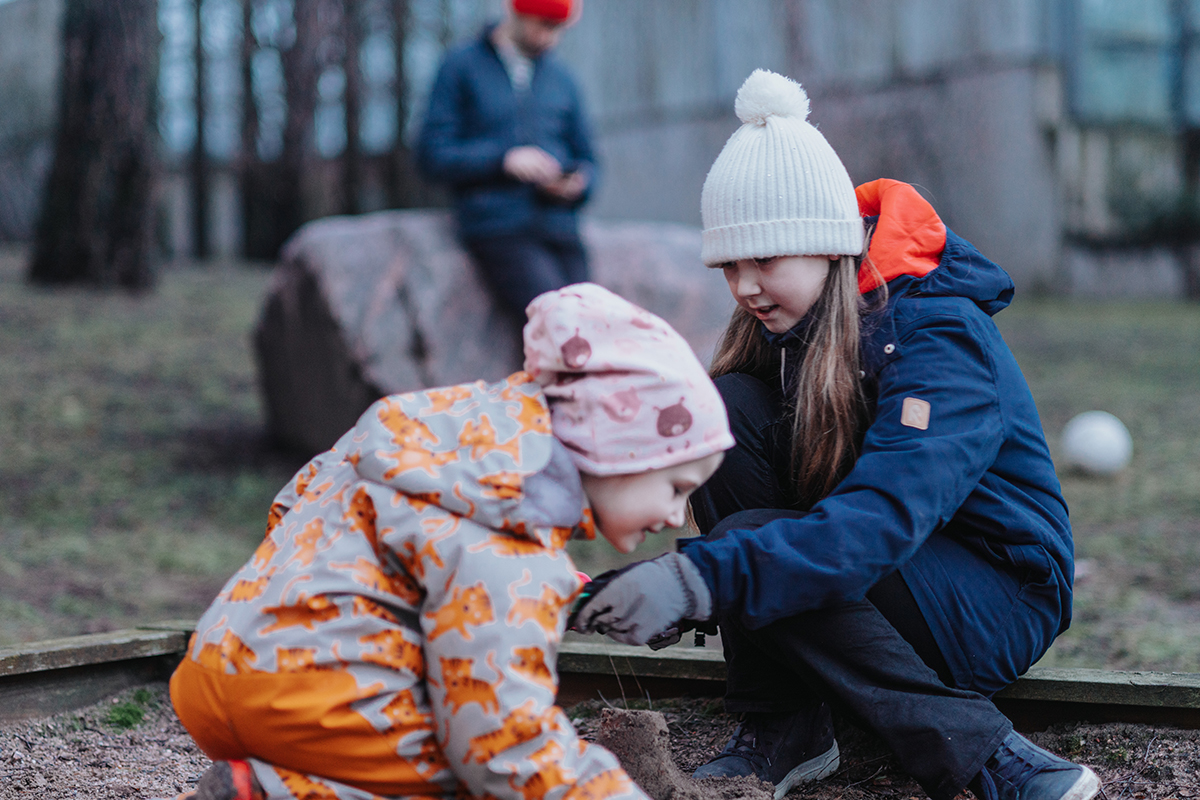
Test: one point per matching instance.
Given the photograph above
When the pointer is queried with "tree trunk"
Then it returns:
(300, 73)
(96, 219)
(404, 188)
(352, 159)
(200, 220)
(257, 208)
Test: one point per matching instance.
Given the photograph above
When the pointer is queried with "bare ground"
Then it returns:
(86, 754)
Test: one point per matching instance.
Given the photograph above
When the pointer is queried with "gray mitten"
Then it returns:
(638, 602)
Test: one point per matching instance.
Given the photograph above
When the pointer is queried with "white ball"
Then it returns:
(1097, 442)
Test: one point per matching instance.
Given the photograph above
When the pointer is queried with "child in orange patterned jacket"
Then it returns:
(395, 633)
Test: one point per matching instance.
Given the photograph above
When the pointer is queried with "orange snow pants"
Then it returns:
(301, 721)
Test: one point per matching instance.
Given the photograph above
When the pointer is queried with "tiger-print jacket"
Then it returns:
(424, 555)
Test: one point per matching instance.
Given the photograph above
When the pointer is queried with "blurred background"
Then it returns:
(1062, 137)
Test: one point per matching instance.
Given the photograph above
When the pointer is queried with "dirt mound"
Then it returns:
(641, 742)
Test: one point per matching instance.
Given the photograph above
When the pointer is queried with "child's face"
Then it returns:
(778, 291)
(627, 507)
(535, 35)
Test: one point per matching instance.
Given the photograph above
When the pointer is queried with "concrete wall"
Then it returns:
(949, 96)
(945, 94)
(975, 146)
(659, 79)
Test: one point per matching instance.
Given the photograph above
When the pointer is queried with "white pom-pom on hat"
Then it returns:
(767, 94)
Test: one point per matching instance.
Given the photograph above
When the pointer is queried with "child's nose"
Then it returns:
(677, 517)
(747, 283)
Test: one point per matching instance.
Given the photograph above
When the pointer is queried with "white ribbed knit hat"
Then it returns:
(777, 188)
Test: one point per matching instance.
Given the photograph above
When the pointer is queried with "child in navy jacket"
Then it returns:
(889, 535)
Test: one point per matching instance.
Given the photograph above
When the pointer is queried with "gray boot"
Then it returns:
(1020, 770)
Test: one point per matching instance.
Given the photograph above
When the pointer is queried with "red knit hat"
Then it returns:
(550, 9)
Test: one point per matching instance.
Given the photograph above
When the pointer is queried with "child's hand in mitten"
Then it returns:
(636, 603)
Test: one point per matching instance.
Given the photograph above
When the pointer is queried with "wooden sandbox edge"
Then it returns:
(40, 679)
(43, 678)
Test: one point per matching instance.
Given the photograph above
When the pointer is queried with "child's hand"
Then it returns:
(636, 603)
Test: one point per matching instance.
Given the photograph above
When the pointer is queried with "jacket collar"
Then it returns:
(913, 253)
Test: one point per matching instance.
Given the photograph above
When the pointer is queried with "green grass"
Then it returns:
(129, 713)
(134, 477)
(1137, 535)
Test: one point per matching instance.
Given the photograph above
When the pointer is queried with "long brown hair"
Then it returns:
(828, 407)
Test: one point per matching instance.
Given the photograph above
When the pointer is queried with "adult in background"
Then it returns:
(506, 129)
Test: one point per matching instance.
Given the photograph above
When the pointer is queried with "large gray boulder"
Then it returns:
(389, 302)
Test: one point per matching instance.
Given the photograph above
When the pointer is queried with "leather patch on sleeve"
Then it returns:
(915, 413)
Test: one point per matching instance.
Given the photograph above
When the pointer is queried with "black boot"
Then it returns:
(786, 749)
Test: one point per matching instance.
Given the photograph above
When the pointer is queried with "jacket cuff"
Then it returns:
(699, 598)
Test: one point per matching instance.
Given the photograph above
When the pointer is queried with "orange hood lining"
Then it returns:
(909, 237)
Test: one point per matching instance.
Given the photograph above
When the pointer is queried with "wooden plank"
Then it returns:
(602, 658)
(1148, 689)
(56, 675)
(184, 626)
(42, 694)
(1043, 697)
(99, 648)
(60, 674)
(1098, 686)
(1037, 715)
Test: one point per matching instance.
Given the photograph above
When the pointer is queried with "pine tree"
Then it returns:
(96, 216)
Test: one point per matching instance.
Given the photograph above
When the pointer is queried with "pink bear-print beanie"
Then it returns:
(626, 392)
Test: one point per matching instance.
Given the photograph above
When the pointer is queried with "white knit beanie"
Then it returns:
(777, 188)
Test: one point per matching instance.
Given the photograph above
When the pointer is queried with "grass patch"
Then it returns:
(126, 714)
(135, 476)
(1137, 535)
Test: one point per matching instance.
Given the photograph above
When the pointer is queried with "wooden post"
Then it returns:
(402, 186)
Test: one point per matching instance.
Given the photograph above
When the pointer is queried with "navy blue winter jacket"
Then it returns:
(475, 116)
(969, 509)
